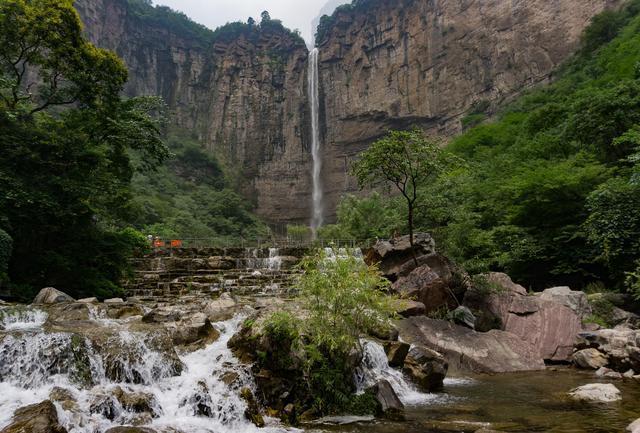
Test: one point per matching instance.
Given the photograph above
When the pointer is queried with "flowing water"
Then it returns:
(317, 218)
(188, 392)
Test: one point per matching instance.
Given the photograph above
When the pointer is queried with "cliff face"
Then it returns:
(428, 62)
(387, 64)
(243, 95)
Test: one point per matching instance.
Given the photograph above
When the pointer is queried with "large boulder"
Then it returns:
(548, 326)
(390, 404)
(426, 367)
(573, 299)
(393, 254)
(466, 350)
(590, 359)
(620, 345)
(195, 331)
(37, 418)
(409, 308)
(49, 295)
(597, 393)
(397, 352)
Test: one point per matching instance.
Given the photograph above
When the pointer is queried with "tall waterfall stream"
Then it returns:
(317, 218)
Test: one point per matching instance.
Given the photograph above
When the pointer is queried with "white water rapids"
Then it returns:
(317, 217)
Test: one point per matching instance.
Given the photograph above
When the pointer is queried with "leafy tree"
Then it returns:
(6, 244)
(66, 146)
(405, 160)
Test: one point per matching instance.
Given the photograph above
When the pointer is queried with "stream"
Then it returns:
(191, 391)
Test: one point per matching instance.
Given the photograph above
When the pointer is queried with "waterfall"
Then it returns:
(317, 218)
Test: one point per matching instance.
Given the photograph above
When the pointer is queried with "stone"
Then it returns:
(629, 374)
(463, 316)
(114, 301)
(391, 255)
(390, 404)
(573, 299)
(590, 359)
(424, 285)
(49, 295)
(229, 378)
(467, 351)
(124, 311)
(195, 330)
(550, 327)
(88, 301)
(162, 315)
(426, 367)
(201, 400)
(104, 405)
(620, 345)
(408, 308)
(596, 392)
(222, 308)
(252, 413)
(634, 427)
(138, 402)
(36, 418)
(396, 352)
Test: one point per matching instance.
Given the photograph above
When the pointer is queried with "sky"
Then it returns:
(295, 14)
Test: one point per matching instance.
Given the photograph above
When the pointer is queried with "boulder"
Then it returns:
(426, 367)
(573, 299)
(463, 316)
(49, 295)
(88, 300)
(37, 418)
(408, 308)
(396, 352)
(252, 412)
(162, 315)
(634, 427)
(424, 285)
(590, 359)
(393, 254)
(468, 351)
(550, 327)
(390, 404)
(596, 392)
(138, 402)
(222, 308)
(201, 401)
(114, 301)
(196, 331)
(620, 345)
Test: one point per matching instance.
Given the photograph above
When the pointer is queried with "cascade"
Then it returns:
(317, 217)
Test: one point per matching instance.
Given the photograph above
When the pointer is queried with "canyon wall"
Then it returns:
(383, 64)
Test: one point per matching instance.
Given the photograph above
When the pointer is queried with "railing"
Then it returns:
(197, 243)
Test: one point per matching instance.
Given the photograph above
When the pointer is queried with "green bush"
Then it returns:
(6, 246)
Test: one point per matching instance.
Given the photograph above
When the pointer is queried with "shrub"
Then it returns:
(6, 246)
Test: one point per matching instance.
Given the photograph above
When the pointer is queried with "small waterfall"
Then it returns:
(375, 367)
(317, 217)
(253, 260)
(20, 318)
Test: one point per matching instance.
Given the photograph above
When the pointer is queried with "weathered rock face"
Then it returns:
(244, 98)
(620, 345)
(391, 64)
(37, 418)
(469, 351)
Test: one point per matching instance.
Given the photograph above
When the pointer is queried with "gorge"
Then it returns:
(244, 93)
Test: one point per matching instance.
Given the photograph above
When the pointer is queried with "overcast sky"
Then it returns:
(295, 14)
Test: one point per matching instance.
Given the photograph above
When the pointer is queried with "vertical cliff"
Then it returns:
(383, 64)
(241, 90)
(395, 63)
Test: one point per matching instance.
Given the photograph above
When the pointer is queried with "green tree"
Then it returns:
(65, 150)
(405, 160)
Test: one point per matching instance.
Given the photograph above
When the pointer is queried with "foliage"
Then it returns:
(299, 232)
(375, 216)
(345, 299)
(189, 197)
(6, 245)
(633, 281)
(406, 160)
(66, 146)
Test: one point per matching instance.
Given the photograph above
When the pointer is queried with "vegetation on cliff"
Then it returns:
(550, 194)
(65, 164)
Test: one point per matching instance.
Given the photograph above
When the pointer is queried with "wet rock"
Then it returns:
(345, 420)
(37, 418)
(49, 295)
(222, 308)
(396, 352)
(408, 308)
(114, 301)
(229, 378)
(253, 411)
(573, 299)
(65, 397)
(195, 331)
(426, 367)
(390, 404)
(590, 359)
(138, 402)
(201, 401)
(124, 311)
(634, 427)
(221, 263)
(468, 351)
(393, 254)
(104, 405)
(463, 316)
(550, 327)
(162, 315)
(596, 392)
(629, 374)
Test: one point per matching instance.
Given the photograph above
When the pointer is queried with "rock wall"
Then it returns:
(397, 63)
(389, 64)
